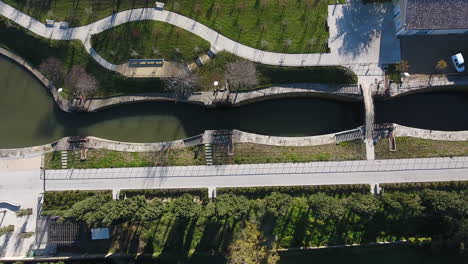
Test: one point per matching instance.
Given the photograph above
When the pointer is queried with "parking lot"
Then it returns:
(423, 52)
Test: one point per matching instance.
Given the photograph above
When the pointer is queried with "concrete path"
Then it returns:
(311, 173)
(361, 36)
(369, 109)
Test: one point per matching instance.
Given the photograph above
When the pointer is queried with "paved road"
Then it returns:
(360, 35)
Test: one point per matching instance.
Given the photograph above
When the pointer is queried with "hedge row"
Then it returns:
(261, 192)
(63, 200)
(418, 186)
(201, 193)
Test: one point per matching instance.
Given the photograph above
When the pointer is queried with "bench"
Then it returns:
(159, 6)
(146, 63)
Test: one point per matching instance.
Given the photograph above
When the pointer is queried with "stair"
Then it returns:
(64, 156)
(208, 154)
(349, 135)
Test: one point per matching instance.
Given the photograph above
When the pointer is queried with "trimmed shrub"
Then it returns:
(200, 193)
(418, 186)
(63, 200)
(262, 192)
(24, 212)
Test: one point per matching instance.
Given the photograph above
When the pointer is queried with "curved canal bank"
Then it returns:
(30, 117)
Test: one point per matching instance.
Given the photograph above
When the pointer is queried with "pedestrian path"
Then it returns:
(308, 169)
(346, 46)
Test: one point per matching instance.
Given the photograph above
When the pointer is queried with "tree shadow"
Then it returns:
(358, 26)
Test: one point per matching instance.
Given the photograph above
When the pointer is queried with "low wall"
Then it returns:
(343, 92)
(61, 102)
(404, 131)
(246, 137)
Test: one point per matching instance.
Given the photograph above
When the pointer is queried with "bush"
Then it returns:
(6, 229)
(63, 200)
(418, 186)
(262, 192)
(200, 193)
(23, 212)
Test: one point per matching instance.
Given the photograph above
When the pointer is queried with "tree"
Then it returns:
(52, 68)
(128, 210)
(441, 65)
(403, 66)
(364, 205)
(241, 74)
(325, 207)
(183, 84)
(154, 211)
(444, 204)
(87, 210)
(185, 208)
(403, 205)
(278, 204)
(250, 247)
(80, 82)
(230, 205)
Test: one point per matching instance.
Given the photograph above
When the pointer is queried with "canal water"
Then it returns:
(30, 117)
(447, 111)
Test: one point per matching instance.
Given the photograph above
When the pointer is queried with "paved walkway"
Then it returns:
(361, 36)
(311, 173)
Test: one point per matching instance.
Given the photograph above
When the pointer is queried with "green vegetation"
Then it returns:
(148, 40)
(97, 158)
(185, 226)
(415, 186)
(24, 212)
(25, 235)
(285, 25)
(243, 154)
(255, 153)
(57, 201)
(6, 229)
(394, 73)
(409, 147)
(35, 50)
(200, 193)
(273, 75)
(296, 191)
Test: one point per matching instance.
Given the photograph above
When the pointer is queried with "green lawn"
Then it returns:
(273, 75)
(283, 26)
(115, 159)
(409, 147)
(254, 153)
(243, 154)
(35, 49)
(148, 40)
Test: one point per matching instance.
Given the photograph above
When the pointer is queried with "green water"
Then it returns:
(30, 117)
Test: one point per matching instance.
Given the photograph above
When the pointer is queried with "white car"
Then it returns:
(458, 62)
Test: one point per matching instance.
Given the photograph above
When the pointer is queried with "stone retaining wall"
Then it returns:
(61, 102)
(403, 131)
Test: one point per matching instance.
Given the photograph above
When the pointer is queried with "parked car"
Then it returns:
(458, 62)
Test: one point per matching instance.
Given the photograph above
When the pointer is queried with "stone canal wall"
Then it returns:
(61, 102)
(345, 92)
(404, 131)
(214, 99)
(207, 137)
